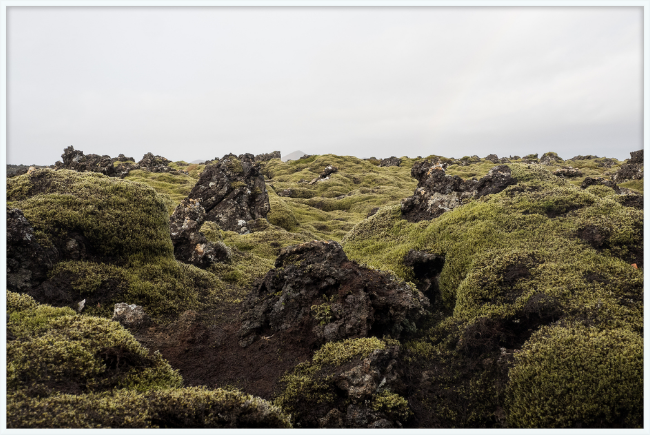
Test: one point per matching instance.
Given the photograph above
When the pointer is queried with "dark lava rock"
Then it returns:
(550, 158)
(317, 295)
(493, 158)
(77, 161)
(391, 161)
(27, 261)
(153, 163)
(265, 157)
(426, 268)
(588, 181)
(190, 245)
(437, 193)
(15, 170)
(632, 170)
(130, 316)
(233, 192)
(325, 175)
(567, 172)
(632, 200)
(587, 157)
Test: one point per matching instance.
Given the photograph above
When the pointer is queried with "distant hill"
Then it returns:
(198, 161)
(293, 156)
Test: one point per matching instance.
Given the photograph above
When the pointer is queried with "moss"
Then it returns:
(309, 384)
(54, 348)
(119, 218)
(392, 404)
(178, 407)
(172, 188)
(280, 214)
(234, 165)
(237, 184)
(636, 185)
(578, 377)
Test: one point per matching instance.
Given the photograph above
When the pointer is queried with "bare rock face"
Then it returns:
(233, 192)
(632, 170)
(265, 157)
(130, 316)
(391, 161)
(567, 172)
(153, 163)
(317, 295)
(190, 245)
(438, 193)
(27, 261)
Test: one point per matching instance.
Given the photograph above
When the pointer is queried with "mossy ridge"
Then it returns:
(173, 188)
(119, 218)
(56, 348)
(480, 241)
(176, 407)
(574, 376)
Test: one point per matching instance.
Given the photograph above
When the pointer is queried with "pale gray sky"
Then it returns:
(190, 83)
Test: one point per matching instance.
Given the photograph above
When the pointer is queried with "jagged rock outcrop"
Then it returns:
(390, 161)
(27, 261)
(567, 172)
(437, 193)
(190, 245)
(316, 295)
(325, 175)
(550, 158)
(233, 192)
(76, 160)
(632, 169)
(493, 158)
(265, 157)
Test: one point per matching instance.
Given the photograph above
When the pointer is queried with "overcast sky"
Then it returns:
(196, 83)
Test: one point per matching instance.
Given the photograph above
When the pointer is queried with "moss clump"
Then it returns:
(343, 351)
(392, 404)
(578, 377)
(119, 218)
(235, 166)
(194, 407)
(56, 349)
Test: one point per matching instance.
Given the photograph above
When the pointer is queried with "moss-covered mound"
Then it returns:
(56, 350)
(107, 378)
(539, 252)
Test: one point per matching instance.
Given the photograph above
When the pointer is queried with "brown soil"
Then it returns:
(210, 355)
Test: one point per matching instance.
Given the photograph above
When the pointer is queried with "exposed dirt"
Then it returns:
(211, 355)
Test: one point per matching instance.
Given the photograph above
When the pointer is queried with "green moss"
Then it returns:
(234, 165)
(118, 217)
(636, 185)
(280, 214)
(172, 188)
(578, 377)
(56, 347)
(178, 407)
(340, 352)
(392, 404)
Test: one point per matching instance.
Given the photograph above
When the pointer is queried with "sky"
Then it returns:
(198, 83)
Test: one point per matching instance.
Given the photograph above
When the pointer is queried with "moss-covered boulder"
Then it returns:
(347, 384)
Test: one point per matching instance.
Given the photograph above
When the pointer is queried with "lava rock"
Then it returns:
(426, 268)
(493, 158)
(76, 160)
(567, 172)
(318, 294)
(437, 193)
(550, 158)
(589, 181)
(233, 192)
(325, 175)
(632, 170)
(391, 161)
(27, 261)
(130, 316)
(190, 245)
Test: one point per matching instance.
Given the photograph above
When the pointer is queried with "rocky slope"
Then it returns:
(326, 291)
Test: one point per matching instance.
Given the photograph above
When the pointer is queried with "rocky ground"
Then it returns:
(326, 291)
